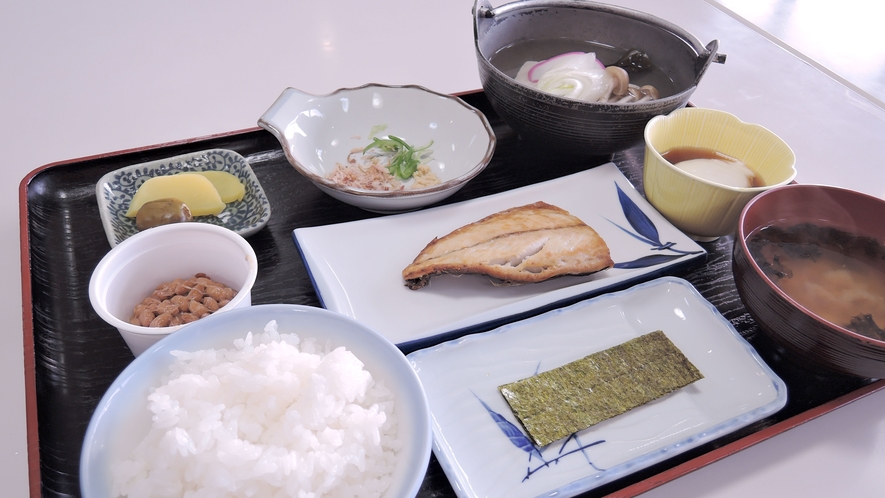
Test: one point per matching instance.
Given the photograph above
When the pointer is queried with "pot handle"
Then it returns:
(482, 12)
(286, 108)
(711, 54)
(482, 9)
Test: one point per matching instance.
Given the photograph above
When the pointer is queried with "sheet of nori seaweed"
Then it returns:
(559, 402)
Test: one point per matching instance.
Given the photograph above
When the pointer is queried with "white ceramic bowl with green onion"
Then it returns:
(318, 132)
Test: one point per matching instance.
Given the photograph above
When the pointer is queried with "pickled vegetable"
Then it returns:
(196, 191)
(162, 212)
(229, 187)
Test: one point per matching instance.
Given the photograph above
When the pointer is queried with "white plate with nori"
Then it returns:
(482, 447)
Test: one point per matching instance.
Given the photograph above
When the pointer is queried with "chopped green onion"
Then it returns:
(405, 158)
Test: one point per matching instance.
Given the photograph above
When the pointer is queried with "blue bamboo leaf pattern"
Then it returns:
(522, 442)
(581, 448)
(647, 233)
(637, 237)
(637, 218)
(511, 431)
(646, 261)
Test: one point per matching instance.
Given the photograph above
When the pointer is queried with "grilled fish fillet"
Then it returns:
(525, 244)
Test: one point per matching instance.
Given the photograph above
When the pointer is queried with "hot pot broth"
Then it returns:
(837, 275)
(510, 58)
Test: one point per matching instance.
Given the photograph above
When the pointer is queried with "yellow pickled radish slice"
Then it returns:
(196, 191)
(229, 187)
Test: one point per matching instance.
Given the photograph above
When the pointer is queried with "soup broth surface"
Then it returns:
(836, 275)
(510, 58)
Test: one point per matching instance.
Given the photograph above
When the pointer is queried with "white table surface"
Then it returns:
(838, 41)
(84, 78)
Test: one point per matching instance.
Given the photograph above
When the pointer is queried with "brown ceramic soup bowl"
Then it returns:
(845, 222)
(574, 127)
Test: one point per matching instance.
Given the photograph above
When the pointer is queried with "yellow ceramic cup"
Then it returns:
(703, 209)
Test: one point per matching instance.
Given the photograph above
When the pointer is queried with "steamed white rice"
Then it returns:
(272, 416)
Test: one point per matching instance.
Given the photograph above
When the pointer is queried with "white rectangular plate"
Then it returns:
(481, 446)
(357, 267)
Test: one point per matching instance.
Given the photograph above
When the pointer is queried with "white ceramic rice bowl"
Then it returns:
(317, 132)
(121, 418)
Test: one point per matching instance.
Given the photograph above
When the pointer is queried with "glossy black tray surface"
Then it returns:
(77, 355)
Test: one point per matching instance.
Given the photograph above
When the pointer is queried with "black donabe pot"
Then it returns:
(570, 126)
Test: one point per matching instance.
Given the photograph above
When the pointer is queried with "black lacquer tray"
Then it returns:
(72, 356)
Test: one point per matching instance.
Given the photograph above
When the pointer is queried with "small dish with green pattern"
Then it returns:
(115, 190)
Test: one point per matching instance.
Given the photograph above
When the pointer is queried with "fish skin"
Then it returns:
(525, 244)
(519, 219)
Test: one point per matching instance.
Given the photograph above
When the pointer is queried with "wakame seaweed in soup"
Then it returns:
(837, 275)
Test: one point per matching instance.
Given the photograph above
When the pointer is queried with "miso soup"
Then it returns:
(510, 58)
(837, 275)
